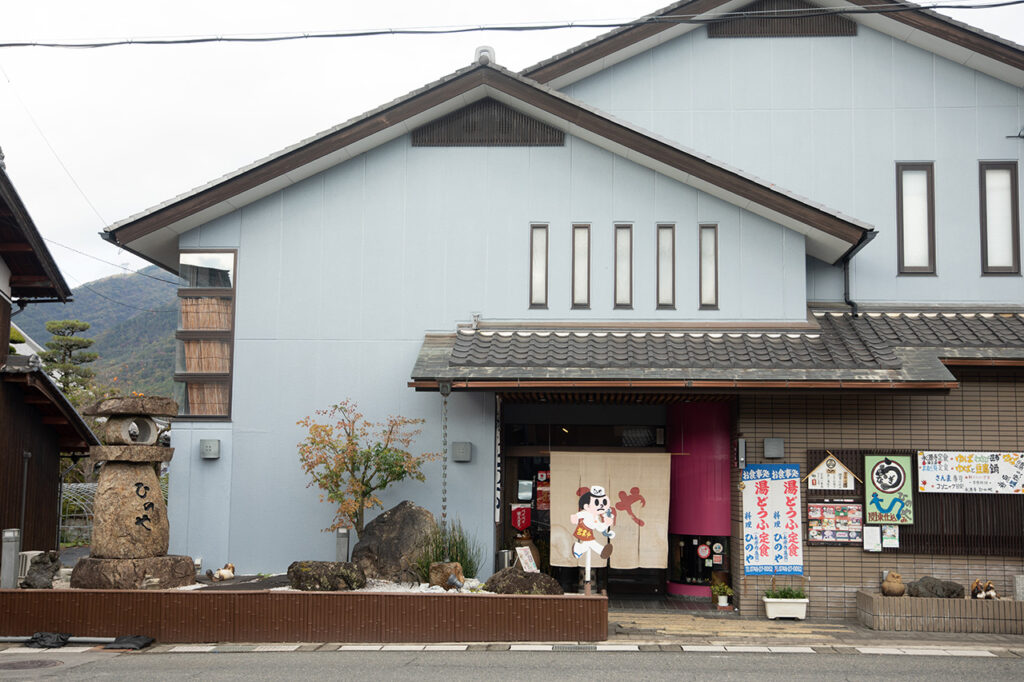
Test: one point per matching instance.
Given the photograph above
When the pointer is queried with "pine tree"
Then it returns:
(66, 356)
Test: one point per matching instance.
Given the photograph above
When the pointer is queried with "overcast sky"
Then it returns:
(134, 126)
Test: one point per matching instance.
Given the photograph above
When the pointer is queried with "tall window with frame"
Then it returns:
(708, 249)
(666, 268)
(538, 266)
(623, 266)
(205, 334)
(915, 218)
(581, 266)
(1000, 224)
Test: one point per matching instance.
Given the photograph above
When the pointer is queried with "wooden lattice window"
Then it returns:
(205, 334)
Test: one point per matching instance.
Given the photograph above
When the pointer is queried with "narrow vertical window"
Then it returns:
(623, 266)
(915, 218)
(709, 267)
(581, 266)
(538, 266)
(1000, 227)
(666, 266)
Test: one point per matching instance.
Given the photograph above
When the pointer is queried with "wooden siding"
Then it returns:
(487, 123)
(783, 19)
(21, 429)
(985, 413)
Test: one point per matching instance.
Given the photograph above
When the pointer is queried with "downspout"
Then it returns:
(847, 257)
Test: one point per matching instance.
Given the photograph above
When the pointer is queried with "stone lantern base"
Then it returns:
(160, 572)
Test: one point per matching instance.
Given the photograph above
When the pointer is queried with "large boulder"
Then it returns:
(447, 575)
(162, 572)
(41, 571)
(325, 576)
(389, 545)
(933, 587)
(514, 580)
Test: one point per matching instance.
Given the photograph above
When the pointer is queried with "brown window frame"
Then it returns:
(585, 305)
(671, 228)
(929, 168)
(700, 267)
(547, 267)
(628, 227)
(182, 335)
(1011, 166)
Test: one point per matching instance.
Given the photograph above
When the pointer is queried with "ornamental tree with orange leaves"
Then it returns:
(350, 459)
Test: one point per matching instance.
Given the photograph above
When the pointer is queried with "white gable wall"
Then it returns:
(340, 275)
(828, 118)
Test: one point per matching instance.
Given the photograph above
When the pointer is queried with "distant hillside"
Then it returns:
(133, 319)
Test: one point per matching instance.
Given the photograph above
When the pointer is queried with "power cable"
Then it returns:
(701, 18)
(116, 265)
(121, 303)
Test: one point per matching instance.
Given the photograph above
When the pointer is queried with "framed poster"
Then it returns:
(888, 490)
(835, 523)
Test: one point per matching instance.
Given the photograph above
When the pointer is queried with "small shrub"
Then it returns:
(450, 543)
(785, 593)
(721, 589)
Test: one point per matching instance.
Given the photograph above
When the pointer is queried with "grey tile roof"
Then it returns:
(882, 347)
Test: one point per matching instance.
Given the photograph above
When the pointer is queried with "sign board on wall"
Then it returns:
(970, 472)
(834, 523)
(888, 490)
(831, 474)
(772, 537)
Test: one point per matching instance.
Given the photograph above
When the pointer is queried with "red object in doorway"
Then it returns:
(521, 517)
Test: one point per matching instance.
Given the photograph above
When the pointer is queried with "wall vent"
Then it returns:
(487, 123)
(783, 19)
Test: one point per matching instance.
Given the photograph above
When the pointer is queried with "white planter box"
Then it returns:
(785, 608)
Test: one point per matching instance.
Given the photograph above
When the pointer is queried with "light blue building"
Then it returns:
(681, 236)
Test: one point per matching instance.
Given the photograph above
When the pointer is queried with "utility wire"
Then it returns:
(121, 303)
(702, 18)
(134, 272)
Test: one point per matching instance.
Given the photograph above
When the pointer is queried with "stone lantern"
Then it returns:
(130, 530)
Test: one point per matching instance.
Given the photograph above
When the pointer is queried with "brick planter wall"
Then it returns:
(282, 616)
(924, 614)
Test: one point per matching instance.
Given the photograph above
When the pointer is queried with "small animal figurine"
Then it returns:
(990, 591)
(893, 585)
(977, 591)
(226, 573)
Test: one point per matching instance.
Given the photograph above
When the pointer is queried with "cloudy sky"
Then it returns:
(92, 136)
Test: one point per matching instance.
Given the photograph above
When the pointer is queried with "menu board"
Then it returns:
(970, 472)
(835, 523)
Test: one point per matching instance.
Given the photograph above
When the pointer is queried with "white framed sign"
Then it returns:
(830, 474)
(984, 473)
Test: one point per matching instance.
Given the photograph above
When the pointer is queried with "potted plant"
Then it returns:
(723, 592)
(786, 602)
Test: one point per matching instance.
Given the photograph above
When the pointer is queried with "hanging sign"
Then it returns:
(831, 474)
(772, 537)
(888, 491)
(970, 472)
(520, 516)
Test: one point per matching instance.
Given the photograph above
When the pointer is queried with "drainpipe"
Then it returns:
(847, 257)
(26, 456)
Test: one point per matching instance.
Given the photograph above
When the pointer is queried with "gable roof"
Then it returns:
(153, 233)
(34, 274)
(905, 21)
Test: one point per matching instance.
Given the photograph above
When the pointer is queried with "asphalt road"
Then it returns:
(463, 665)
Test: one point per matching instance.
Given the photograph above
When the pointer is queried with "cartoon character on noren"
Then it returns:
(595, 516)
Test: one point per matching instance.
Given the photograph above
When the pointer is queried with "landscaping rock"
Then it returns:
(388, 546)
(41, 571)
(153, 406)
(933, 587)
(442, 573)
(325, 576)
(514, 580)
(163, 572)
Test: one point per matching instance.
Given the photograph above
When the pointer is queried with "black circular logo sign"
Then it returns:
(888, 476)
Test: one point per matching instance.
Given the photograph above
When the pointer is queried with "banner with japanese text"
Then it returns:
(888, 490)
(624, 493)
(772, 537)
(970, 472)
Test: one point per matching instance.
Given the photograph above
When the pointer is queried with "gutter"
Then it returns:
(847, 257)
